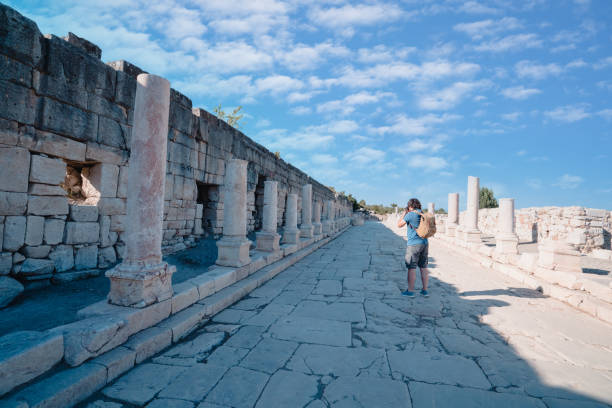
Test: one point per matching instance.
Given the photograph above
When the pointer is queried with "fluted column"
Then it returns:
(328, 223)
(453, 214)
(291, 233)
(506, 239)
(143, 278)
(318, 227)
(306, 227)
(234, 246)
(471, 232)
(267, 238)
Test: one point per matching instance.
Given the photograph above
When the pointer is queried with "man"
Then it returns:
(417, 247)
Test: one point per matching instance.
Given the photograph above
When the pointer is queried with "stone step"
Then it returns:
(171, 322)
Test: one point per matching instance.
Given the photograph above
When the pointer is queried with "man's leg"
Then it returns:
(411, 279)
(424, 277)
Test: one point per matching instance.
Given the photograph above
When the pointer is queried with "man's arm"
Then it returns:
(401, 221)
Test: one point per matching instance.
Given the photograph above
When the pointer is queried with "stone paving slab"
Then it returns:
(334, 331)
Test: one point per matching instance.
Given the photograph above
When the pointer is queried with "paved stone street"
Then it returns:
(334, 331)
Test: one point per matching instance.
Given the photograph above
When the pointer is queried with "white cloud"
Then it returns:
(382, 53)
(303, 139)
(514, 42)
(323, 159)
(534, 183)
(605, 113)
(479, 29)
(365, 155)
(304, 57)
(417, 145)
(427, 163)
(348, 104)
(341, 126)
(528, 69)
(568, 113)
(603, 63)
(449, 97)
(568, 182)
(300, 110)
(403, 125)
(511, 116)
(355, 15)
(277, 84)
(519, 92)
(474, 7)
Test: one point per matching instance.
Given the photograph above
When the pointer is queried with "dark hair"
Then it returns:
(414, 203)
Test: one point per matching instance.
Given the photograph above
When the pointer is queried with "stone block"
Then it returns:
(100, 180)
(17, 258)
(50, 143)
(149, 342)
(15, 165)
(83, 213)
(122, 184)
(9, 290)
(185, 321)
(75, 275)
(577, 237)
(82, 232)
(107, 237)
(14, 232)
(118, 223)
(46, 170)
(62, 257)
(86, 257)
(36, 267)
(105, 154)
(39, 252)
(6, 263)
(35, 227)
(14, 71)
(21, 39)
(17, 103)
(106, 257)
(46, 190)
(48, 85)
(47, 205)
(125, 94)
(112, 206)
(117, 362)
(185, 294)
(68, 120)
(54, 231)
(13, 203)
(25, 355)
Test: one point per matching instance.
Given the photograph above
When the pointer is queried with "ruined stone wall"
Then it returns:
(65, 125)
(587, 228)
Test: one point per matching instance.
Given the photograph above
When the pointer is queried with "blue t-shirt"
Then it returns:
(412, 223)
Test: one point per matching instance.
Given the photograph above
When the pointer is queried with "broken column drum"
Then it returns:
(143, 278)
(318, 227)
(453, 214)
(506, 240)
(234, 246)
(267, 238)
(291, 233)
(471, 231)
(431, 207)
(306, 227)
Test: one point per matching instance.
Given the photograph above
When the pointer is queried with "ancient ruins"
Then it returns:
(105, 169)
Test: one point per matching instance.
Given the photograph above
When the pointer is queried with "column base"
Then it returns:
(267, 241)
(472, 236)
(291, 236)
(559, 256)
(318, 228)
(326, 227)
(233, 251)
(307, 231)
(506, 244)
(138, 286)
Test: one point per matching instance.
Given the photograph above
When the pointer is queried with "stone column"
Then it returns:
(471, 231)
(453, 214)
(233, 246)
(328, 223)
(318, 227)
(267, 238)
(291, 233)
(306, 228)
(431, 208)
(506, 240)
(143, 278)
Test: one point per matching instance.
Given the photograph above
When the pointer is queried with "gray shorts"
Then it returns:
(416, 255)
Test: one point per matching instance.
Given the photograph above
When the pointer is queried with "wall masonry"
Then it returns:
(66, 121)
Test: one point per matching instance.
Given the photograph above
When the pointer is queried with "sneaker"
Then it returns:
(408, 293)
(424, 293)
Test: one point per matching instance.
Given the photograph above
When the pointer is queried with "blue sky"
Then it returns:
(388, 100)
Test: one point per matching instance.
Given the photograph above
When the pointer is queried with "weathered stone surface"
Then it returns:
(194, 383)
(122, 184)
(54, 231)
(101, 180)
(62, 257)
(83, 213)
(17, 102)
(25, 355)
(112, 206)
(117, 361)
(345, 312)
(311, 330)
(9, 290)
(65, 119)
(82, 232)
(51, 143)
(287, 388)
(269, 355)
(47, 171)
(46, 190)
(6, 261)
(13, 203)
(14, 232)
(172, 403)
(21, 40)
(40, 251)
(35, 267)
(367, 392)
(140, 385)
(106, 257)
(86, 257)
(46, 205)
(226, 392)
(149, 342)
(35, 227)
(194, 350)
(15, 165)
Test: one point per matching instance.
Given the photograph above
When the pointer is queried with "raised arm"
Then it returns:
(401, 221)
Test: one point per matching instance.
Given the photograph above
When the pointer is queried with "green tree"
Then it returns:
(362, 204)
(233, 119)
(440, 211)
(487, 198)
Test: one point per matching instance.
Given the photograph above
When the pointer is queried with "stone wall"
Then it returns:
(65, 125)
(587, 228)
